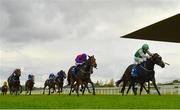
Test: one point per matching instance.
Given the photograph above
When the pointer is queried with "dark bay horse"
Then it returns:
(14, 82)
(51, 85)
(29, 85)
(145, 74)
(61, 75)
(83, 75)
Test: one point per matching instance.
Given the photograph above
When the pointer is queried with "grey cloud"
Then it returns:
(31, 21)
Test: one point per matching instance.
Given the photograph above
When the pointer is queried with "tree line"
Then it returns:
(107, 83)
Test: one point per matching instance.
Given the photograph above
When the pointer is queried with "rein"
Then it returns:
(146, 69)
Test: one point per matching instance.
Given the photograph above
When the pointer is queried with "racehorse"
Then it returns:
(29, 85)
(51, 85)
(82, 76)
(14, 82)
(145, 74)
(4, 89)
(61, 75)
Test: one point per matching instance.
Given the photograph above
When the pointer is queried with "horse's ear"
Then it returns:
(89, 56)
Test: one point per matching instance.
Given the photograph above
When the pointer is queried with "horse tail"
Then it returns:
(118, 82)
(126, 76)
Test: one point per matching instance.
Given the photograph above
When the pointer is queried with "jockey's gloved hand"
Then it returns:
(144, 59)
(148, 57)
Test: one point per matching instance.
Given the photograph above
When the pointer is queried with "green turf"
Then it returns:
(90, 102)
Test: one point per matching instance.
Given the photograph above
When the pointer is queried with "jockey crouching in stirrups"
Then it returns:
(52, 77)
(31, 77)
(140, 57)
(80, 60)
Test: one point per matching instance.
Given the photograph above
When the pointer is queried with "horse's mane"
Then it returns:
(155, 54)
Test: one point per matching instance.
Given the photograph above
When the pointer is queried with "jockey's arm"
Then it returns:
(78, 63)
(149, 53)
(142, 54)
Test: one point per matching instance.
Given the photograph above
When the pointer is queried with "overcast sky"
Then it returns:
(44, 36)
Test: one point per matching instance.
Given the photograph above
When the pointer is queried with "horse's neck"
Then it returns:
(59, 78)
(149, 64)
(87, 66)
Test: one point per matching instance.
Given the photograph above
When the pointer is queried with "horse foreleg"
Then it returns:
(58, 88)
(20, 87)
(148, 87)
(93, 87)
(72, 85)
(141, 88)
(49, 90)
(88, 87)
(154, 83)
(16, 91)
(128, 89)
(89, 90)
(30, 92)
(83, 88)
(44, 89)
(145, 89)
(77, 89)
(61, 88)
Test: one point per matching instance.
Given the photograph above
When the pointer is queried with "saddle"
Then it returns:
(75, 69)
(135, 69)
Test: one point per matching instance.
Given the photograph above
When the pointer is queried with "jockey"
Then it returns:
(80, 60)
(5, 83)
(140, 55)
(52, 76)
(30, 77)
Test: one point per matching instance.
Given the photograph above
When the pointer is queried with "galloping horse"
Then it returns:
(82, 76)
(14, 82)
(4, 88)
(61, 75)
(29, 85)
(51, 85)
(145, 74)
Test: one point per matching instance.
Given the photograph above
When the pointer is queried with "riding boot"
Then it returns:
(77, 69)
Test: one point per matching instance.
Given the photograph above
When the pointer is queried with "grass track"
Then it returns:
(90, 102)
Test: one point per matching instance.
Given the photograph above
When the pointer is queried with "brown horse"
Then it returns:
(82, 76)
(29, 85)
(14, 82)
(4, 89)
(145, 74)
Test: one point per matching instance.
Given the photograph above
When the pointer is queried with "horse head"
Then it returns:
(92, 61)
(61, 74)
(17, 72)
(157, 59)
